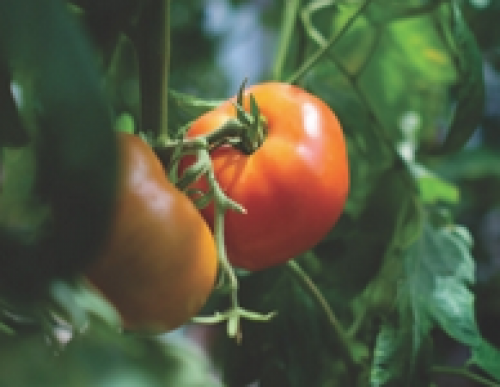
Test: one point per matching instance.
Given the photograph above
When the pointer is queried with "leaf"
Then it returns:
(432, 188)
(474, 163)
(386, 365)
(391, 364)
(487, 357)
(433, 291)
(438, 269)
(293, 349)
(12, 132)
(471, 89)
(75, 146)
(102, 356)
(191, 105)
(4, 329)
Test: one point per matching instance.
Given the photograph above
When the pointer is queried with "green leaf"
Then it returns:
(102, 356)
(433, 291)
(192, 106)
(438, 269)
(4, 329)
(386, 364)
(75, 146)
(471, 90)
(487, 357)
(432, 188)
(474, 163)
(391, 364)
(12, 132)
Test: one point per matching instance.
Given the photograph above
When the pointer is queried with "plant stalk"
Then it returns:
(323, 50)
(463, 372)
(151, 39)
(290, 16)
(313, 290)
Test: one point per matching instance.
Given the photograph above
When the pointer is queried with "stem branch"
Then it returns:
(464, 373)
(290, 15)
(151, 39)
(323, 50)
(340, 333)
(222, 204)
(166, 70)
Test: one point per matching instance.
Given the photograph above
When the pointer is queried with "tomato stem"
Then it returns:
(166, 70)
(290, 17)
(232, 132)
(341, 334)
(464, 373)
(222, 204)
(313, 59)
(151, 39)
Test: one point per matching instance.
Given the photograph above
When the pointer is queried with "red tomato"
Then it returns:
(159, 263)
(294, 186)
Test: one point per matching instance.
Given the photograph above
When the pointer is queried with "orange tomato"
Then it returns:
(294, 186)
(159, 264)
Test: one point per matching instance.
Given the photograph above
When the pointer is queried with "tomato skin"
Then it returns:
(294, 186)
(160, 263)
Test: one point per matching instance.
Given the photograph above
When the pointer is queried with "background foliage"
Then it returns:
(410, 271)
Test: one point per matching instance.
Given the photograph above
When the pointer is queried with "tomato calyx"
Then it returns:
(246, 132)
(255, 124)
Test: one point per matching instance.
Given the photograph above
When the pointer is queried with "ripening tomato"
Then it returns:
(294, 186)
(159, 264)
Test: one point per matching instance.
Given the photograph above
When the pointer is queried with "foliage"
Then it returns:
(404, 282)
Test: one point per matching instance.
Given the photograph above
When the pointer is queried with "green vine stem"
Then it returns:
(166, 70)
(223, 204)
(311, 62)
(465, 373)
(170, 150)
(338, 329)
(151, 39)
(290, 16)
(246, 132)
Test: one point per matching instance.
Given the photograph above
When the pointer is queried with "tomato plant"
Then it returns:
(401, 291)
(159, 264)
(293, 186)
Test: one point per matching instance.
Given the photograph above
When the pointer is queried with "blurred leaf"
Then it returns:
(432, 188)
(190, 106)
(476, 163)
(79, 303)
(18, 206)
(75, 143)
(487, 357)
(409, 71)
(12, 132)
(391, 363)
(4, 329)
(101, 357)
(125, 123)
(483, 17)
(471, 90)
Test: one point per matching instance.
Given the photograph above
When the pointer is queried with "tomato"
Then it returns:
(294, 186)
(159, 264)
